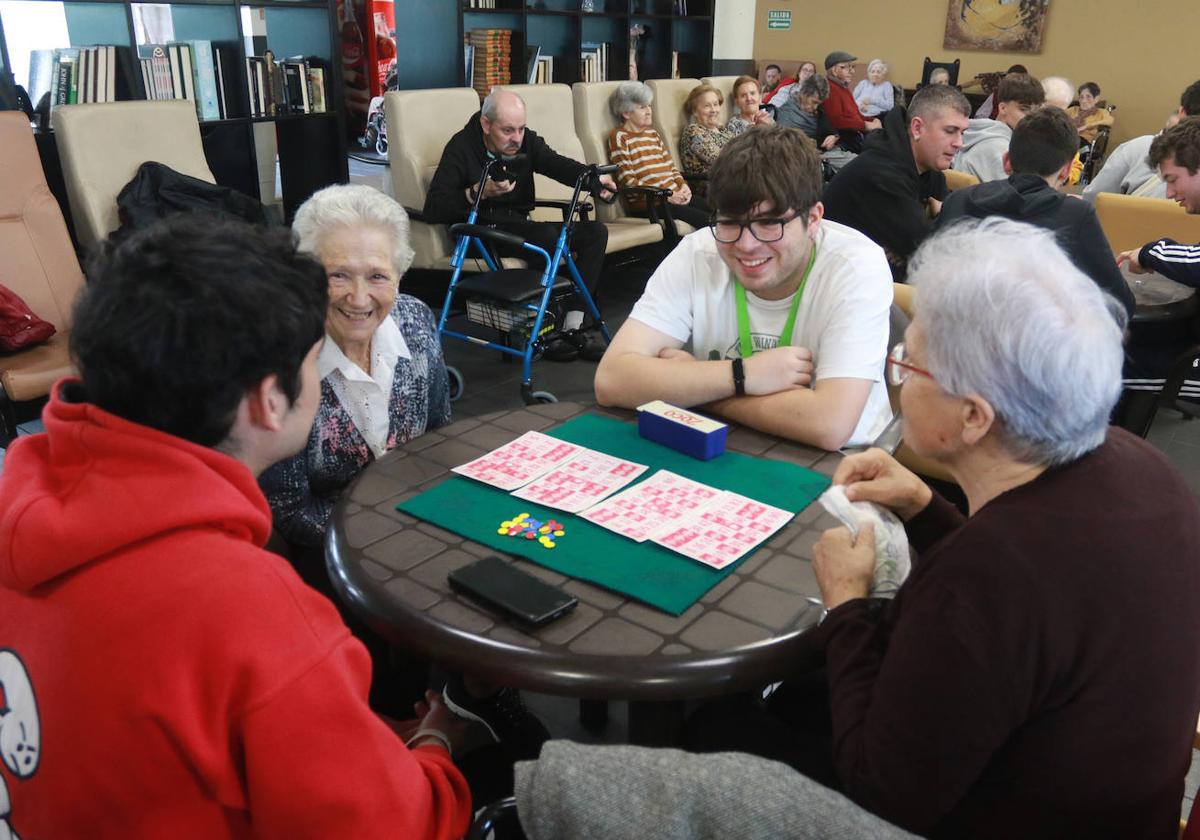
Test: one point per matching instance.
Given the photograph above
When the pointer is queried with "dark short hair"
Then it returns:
(1043, 142)
(931, 100)
(179, 320)
(1022, 88)
(1181, 142)
(773, 66)
(1016, 68)
(1190, 100)
(1090, 87)
(771, 164)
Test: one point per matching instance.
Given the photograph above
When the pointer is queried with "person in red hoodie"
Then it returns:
(839, 107)
(161, 674)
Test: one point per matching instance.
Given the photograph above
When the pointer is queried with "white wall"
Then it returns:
(733, 29)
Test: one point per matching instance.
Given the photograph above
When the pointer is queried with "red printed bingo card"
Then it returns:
(657, 503)
(581, 482)
(724, 530)
(517, 463)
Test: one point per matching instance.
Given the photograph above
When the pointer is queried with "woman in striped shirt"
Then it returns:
(643, 159)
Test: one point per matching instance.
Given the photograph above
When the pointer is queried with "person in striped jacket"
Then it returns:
(1176, 155)
(643, 160)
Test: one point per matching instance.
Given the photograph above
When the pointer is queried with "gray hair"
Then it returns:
(877, 62)
(1058, 90)
(931, 100)
(939, 73)
(627, 96)
(815, 85)
(353, 205)
(1022, 327)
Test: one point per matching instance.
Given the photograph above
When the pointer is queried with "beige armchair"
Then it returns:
(1130, 221)
(38, 263)
(420, 122)
(101, 147)
(548, 111)
(594, 122)
(669, 118)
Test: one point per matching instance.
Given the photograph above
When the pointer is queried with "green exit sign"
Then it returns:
(779, 19)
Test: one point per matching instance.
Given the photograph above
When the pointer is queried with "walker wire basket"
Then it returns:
(514, 319)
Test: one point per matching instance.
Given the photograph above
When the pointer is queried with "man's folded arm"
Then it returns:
(824, 416)
(632, 371)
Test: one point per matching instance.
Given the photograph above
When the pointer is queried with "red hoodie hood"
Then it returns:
(94, 483)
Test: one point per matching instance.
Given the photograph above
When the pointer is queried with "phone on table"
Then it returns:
(498, 584)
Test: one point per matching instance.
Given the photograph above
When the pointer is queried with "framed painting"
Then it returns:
(998, 25)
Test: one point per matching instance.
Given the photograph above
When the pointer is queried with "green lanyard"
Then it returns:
(743, 314)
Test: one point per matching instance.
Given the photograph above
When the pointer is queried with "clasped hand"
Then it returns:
(778, 369)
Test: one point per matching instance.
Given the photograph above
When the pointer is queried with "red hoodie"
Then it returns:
(161, 675)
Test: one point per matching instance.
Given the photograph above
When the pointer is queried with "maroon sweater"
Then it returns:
(1038, 675)
(841, 110)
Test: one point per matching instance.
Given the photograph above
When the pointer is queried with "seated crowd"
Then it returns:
(1034, 675)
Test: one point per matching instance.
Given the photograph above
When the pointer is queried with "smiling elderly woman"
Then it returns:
(383, 379)
(1055, 625)
(704, 136)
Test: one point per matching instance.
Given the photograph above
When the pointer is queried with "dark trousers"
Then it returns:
(794, 726)
(588, 241)
(696, 212)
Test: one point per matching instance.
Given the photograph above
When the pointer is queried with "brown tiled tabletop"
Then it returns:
(392, 568)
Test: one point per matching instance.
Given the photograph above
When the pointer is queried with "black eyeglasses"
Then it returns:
(728, 231)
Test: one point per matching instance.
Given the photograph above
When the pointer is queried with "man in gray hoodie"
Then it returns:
(985, 141)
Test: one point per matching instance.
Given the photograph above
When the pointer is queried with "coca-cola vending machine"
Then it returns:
(368, 43)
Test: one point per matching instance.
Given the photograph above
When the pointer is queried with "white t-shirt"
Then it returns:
(843, 317)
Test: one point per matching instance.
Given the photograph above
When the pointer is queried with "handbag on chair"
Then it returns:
(20, 328)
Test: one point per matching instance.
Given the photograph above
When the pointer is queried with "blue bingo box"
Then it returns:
(692, 434)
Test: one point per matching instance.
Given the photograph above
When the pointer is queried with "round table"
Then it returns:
(746, 632)
(1160, 299)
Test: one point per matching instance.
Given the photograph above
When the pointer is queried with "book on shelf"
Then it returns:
(674, 64)
(491, 59)
(79, 75)
(204, 71)
(593, 62)
(292, 85)
(532, 55)
(545, 70)
(482, 4)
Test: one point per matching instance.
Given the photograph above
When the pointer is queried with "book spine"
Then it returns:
(205, 80)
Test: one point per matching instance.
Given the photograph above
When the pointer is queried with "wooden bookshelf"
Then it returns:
(561, 28)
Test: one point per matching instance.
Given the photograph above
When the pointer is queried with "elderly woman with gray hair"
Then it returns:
(383, 379)
(1052, 626)
(643, 160)
(875, 95)
(803, 110)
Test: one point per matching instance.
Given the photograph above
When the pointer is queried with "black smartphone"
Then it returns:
(501, 586)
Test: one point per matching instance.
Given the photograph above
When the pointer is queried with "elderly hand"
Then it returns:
(1129, 260)
(829, 142)
(844, 566)
(778, 369)
(875, 476)
(610, 186)
(493, 188)
(935, 206)
(763, 118)
(873, 125)
(682, 196)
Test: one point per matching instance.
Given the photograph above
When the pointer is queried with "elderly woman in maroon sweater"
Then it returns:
(1038, 674)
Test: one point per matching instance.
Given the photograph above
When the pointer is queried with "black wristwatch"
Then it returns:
(739, 378)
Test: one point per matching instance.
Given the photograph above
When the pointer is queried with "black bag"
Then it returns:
(158, 191)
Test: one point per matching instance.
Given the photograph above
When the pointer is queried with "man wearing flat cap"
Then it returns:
(840, 107)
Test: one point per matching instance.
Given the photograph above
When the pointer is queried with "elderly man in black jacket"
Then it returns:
(499, 131)
(892, 191)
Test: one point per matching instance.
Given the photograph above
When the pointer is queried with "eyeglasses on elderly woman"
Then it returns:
(898, 367)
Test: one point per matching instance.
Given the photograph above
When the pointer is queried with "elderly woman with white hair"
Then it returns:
(383, 379)
(642, 158)
(1054, 625)
(1051, 627)
(875, 95)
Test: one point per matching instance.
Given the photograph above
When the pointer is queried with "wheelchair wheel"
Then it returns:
(456, 383)
(543, 397)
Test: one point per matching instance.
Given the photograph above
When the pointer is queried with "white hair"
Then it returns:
(939, 73)
(1006, 315)
(627, 96)
(1058, 90)
(877, 62)
(353, 205)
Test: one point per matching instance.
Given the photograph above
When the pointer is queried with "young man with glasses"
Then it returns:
(784, 315)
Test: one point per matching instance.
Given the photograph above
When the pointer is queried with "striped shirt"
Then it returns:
(643, 161)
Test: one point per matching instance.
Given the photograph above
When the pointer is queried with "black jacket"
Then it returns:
(881, 193)
(1028, 198)
(463, 160)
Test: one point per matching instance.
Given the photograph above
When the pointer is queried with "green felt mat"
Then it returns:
(645, 571)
